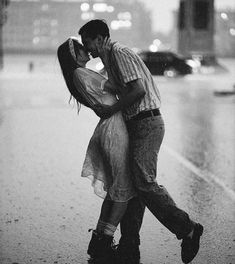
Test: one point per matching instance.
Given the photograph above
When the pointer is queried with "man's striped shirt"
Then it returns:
(126, 66)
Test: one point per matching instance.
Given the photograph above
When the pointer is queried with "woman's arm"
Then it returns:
(111, 87)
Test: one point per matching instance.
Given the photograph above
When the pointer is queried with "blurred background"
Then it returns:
(202, 30)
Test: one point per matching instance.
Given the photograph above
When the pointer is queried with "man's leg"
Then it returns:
(128, 249)
(146, 137)
(163, 207)
(160, 203)
(133, 218)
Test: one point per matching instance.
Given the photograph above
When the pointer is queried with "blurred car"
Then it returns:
(165, 63)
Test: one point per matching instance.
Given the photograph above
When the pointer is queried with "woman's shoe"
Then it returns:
(101, 248)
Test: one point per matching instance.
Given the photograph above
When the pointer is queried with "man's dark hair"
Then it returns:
(93, 28)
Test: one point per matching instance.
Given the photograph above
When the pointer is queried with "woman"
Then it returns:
(106, 161)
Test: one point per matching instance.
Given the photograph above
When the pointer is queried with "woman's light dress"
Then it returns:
(106, 161)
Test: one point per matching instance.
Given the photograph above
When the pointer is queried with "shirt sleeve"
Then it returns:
(81, 83)
(103, 83)
(128, 65)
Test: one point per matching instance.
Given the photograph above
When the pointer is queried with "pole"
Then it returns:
(3, 18)
(1, 49)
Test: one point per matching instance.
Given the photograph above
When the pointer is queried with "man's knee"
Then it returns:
(133, 217)
(135, 208)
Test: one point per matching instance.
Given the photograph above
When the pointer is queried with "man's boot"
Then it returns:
(128, 251)
(101, 249)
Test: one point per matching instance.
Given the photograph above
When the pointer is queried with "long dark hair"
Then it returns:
(68, 65)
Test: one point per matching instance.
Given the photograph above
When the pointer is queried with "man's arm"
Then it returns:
(111, 87)
(135, 91)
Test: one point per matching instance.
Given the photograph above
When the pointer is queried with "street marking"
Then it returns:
(206, 176)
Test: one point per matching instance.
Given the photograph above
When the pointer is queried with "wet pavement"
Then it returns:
(46, 208)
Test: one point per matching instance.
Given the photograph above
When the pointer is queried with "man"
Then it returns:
(139, 100)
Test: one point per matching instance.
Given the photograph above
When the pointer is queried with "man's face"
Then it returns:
(91, 46)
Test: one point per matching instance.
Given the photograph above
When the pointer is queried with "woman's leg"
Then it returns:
(114, 148)
(117, 211)
(110, 215)
(105, 209)
(100, 246)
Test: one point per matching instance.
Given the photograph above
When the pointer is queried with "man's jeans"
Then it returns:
(145, 138)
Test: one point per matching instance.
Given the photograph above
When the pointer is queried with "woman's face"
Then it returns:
(82, 56)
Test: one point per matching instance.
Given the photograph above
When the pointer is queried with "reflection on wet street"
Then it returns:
(46, 208)
(201, 127)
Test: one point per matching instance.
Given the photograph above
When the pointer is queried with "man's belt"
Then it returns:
(145, 114)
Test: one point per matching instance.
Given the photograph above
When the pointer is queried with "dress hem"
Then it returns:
(98, 185)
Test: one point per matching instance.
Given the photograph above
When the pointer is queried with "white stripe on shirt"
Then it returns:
(131, 67)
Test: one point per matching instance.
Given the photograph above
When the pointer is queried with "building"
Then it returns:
(225, 33)
(223, 36)
(3, 19)
(41, 25)
(196, 29)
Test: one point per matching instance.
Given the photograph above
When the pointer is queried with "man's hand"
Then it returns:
(135, 92)
(103, 111)
(104, 50)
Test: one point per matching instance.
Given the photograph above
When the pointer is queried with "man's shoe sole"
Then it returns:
(198, 231)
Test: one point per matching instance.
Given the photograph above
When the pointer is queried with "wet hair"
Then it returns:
(93, 28)
(68, 65)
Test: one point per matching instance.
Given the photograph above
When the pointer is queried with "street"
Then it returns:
(46, 208)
